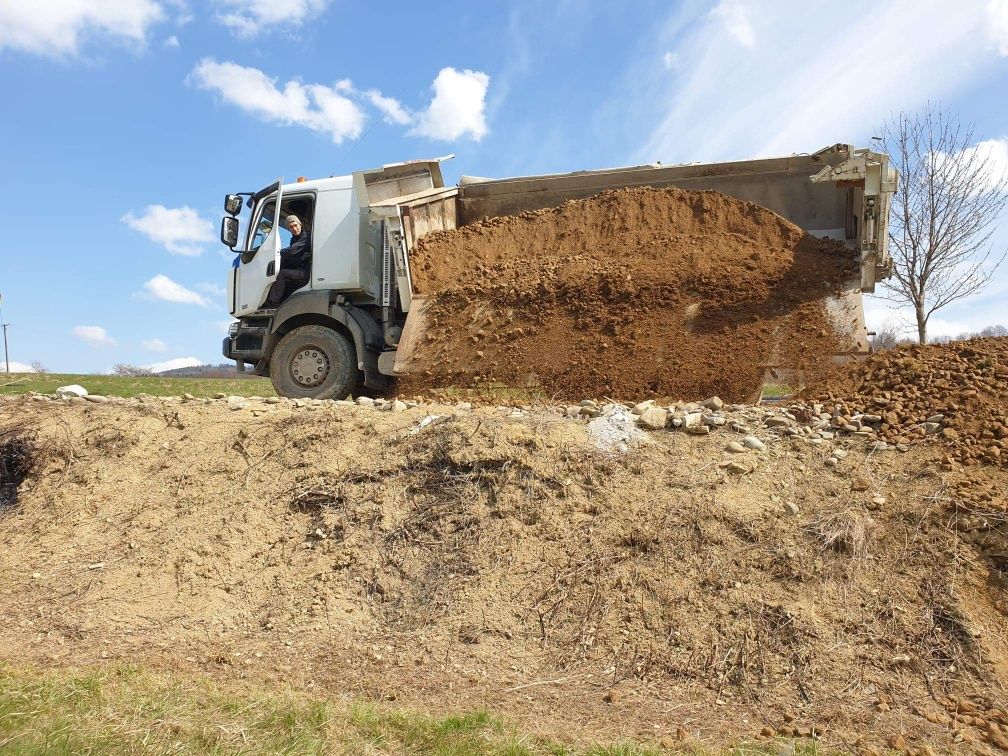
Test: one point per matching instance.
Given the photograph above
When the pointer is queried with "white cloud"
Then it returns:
(214, 290)
(163, 288)
(734, 16)
(180, 230)
(18, 367)
(993, 152)
(94, 335)
(391, 109)
(155, 345)
(717, 105)
(997, 18)
(55, 28)
(670, 60)
(173, 364)
(458, 108)
(315, 106)
(247, 18)
(172, 41)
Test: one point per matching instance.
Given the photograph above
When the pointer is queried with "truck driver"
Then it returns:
(295, 264)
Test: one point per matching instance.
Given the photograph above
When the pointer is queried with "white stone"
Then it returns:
(236, 403)
(398, 406)
(65, 392)
(653, 418)
(752, 442)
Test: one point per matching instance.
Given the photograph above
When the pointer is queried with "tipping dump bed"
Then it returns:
(840, 192)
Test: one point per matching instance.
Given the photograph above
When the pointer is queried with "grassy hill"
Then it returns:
(155, 385)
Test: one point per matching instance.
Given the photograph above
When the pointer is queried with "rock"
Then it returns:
(97, 399)
(65, 392)
(878, 501)
(188, 397)
(831, 462)
(735, 467)
(588, 403)
(639, 409)
(939, 418)
(572, 411)
(713, 403)
(698, 430)
(364, 401)
(236, 403)
(898, 743)
(692, 420)
(714, 421)
(751, 442)
(735, 447)
(840, 453)
(220, 395)
(930, 428)
(398, 406)
(791, 509)
(950, 434)
(786, 749)
(273, 400)
(653, 418)
(777, 422)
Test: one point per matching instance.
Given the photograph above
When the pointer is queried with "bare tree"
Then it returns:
(951, 193)
(995, 330)
(885, 337)
(130, 371)
(38, 367)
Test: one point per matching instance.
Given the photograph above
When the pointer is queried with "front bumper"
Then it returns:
(245, 344)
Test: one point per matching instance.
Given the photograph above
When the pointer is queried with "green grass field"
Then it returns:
(114, 385)
(124, 710)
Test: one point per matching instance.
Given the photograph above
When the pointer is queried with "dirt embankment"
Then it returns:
(482, 560)
(633, 293)
(957, 390)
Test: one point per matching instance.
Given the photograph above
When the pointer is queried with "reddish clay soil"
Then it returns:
(635, 292)
(961, 387)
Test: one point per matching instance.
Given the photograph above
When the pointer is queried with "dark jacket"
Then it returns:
(298, 255)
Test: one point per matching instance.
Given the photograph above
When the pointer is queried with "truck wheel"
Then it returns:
(315, 362)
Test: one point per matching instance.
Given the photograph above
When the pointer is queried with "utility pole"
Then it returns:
(6, 356)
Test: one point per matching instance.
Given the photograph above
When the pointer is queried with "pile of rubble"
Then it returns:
(957, 391)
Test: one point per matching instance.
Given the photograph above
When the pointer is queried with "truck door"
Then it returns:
(257, 267)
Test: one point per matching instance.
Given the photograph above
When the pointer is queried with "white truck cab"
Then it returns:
(326, 338)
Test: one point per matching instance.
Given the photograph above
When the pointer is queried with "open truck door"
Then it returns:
(256, 268)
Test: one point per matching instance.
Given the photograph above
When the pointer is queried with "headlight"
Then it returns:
(233, 329)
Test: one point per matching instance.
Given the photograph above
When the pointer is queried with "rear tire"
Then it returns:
(315, 362)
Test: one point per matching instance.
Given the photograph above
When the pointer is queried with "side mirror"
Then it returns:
(229, 231)
(232, 204)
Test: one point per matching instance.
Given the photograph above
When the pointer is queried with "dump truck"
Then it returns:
(354, 325)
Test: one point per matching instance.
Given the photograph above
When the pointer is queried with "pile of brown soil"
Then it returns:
(632, 293)
(480, 561)
(961, 387)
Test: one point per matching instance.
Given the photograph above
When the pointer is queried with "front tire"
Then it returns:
(314, 362)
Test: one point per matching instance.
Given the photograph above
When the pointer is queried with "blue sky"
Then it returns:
(125, 122)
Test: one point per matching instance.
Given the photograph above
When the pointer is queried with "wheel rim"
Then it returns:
(310, 367)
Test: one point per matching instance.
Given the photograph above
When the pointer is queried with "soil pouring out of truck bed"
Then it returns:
(634, 292)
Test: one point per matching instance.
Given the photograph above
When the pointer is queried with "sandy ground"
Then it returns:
(452, 557)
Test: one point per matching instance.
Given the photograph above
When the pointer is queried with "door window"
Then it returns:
(263, 226)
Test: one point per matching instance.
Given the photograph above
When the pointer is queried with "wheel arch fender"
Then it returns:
(315, 308)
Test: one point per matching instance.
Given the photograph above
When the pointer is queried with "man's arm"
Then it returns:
(295, 252)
